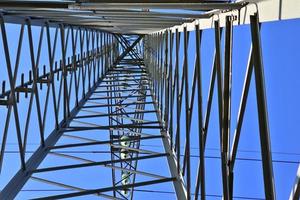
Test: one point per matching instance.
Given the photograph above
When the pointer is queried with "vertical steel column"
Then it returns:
(64, 72)
(178, 101)
(226, 114)
(200, 180)
(187, 112)
(166, 80)
(171, 88)
(262, 110)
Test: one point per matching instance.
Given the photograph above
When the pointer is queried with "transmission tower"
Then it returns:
(107, 102)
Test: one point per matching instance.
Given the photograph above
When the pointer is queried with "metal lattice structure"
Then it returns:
(113, 83)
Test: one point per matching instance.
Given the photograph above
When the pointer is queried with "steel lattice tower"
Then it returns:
(113, 85)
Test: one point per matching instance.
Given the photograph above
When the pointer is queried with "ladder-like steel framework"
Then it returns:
(111, 85)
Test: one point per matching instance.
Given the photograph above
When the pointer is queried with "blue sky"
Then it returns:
(280, 45)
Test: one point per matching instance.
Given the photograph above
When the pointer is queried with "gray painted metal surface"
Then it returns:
(122, 61)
